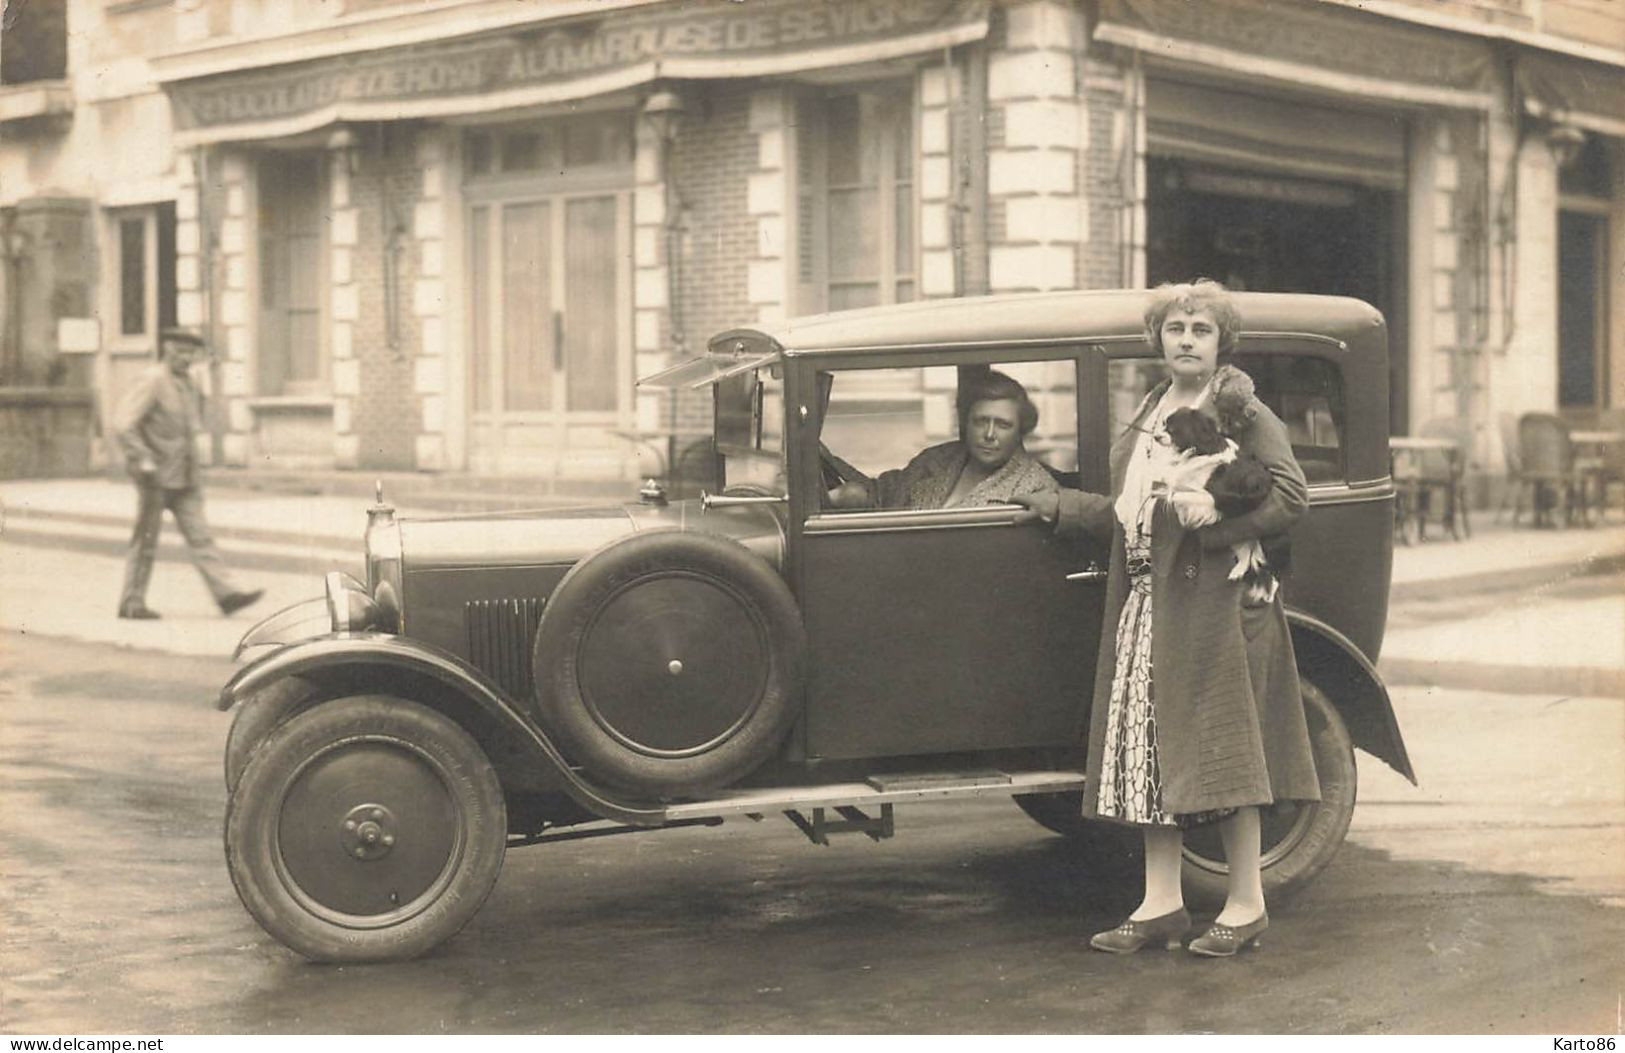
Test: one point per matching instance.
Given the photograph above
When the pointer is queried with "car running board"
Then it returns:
(849, 800)
(808, 807)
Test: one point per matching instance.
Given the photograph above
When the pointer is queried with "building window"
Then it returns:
(293, 275)
(557, 147)
(34, 44)
(855, 198)
(144, 279)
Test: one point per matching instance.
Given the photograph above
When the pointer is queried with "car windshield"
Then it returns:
(750, 430)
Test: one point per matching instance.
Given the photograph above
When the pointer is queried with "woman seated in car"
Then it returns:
(986, 465)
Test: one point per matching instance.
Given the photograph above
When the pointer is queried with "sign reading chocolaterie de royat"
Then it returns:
(579, 57)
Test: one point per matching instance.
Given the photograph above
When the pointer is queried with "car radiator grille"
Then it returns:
(499, 640)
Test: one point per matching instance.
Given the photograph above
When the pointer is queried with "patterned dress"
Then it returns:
(1130, 775)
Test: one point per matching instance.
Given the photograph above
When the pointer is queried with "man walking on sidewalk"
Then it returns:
(157, 422)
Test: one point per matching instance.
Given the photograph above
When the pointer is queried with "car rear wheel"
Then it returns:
(368, 828)
(669, 663)
(1298, 839)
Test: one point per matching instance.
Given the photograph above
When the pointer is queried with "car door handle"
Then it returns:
(1090, 573)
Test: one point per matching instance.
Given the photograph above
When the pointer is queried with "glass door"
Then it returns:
(551, 357)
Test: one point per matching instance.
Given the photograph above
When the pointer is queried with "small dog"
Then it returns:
(1211, 482)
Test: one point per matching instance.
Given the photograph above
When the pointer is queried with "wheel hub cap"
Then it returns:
(368, 832)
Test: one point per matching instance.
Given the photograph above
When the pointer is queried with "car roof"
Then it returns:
(1035, 318)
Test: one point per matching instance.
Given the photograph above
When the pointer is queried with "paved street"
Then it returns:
(1488, 900)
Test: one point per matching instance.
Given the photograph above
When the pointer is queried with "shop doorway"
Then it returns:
(1267, 233)
(1582, 306)
(549, 301)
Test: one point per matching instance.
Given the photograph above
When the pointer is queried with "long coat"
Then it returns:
(157, 421)
(1230, 722)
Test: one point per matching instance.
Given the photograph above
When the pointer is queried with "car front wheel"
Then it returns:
(368, 828)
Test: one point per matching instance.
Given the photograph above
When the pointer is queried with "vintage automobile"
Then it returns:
(514, 679)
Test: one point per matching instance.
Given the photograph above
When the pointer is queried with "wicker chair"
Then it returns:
(1547, 467)
(1512, 493)
(1441, 480)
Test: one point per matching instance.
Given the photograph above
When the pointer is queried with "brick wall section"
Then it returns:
(385, 424)
(713, 159)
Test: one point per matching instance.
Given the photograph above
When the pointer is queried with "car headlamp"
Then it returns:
(348, 604)
(383, 544)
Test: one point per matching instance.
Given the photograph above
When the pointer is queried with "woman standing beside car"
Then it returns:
(1197, 714)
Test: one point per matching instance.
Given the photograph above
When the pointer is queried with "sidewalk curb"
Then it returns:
(1516, 579)
(315, 561)
(1580, 681)
(34, 521)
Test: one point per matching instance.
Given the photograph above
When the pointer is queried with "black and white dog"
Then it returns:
(1212, 481)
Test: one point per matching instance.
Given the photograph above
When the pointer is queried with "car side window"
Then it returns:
(1303, 390)
(1306, 392)
(880, 421)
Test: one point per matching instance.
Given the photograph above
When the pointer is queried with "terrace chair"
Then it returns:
(1512, 493)
(1547, 467)
(1441, 480)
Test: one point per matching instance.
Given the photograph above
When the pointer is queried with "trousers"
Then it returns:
(187, 507)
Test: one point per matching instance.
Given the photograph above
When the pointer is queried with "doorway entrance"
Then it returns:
(1269, 233)
(551, 352)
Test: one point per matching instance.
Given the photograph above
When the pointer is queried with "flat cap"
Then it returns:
(177, 334)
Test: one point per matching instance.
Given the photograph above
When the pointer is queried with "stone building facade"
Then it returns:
(449, 236)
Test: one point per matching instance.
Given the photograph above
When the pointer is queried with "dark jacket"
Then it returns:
(156, 422)
(1230, 720)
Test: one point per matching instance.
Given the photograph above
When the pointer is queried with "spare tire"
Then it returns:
(669, 663)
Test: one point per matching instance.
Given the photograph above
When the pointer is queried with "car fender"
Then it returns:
(1335, 665)
(301, 621)
(348, 663)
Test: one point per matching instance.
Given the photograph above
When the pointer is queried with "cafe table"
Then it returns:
(1592, 449)
(1404, 453)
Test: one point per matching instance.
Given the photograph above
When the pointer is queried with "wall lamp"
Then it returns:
(664, 111)
(1565, 141)
(343, 140)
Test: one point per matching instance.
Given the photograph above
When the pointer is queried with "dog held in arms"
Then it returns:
(1212, 481)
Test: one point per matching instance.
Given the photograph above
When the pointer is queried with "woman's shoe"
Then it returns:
(1223, 941)
(1132, 935)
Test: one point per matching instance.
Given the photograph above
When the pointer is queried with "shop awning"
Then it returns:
(560, 61)
(1201, 122)
(1572, 91)
(1308, 46)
